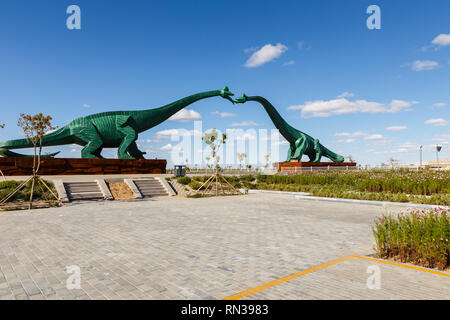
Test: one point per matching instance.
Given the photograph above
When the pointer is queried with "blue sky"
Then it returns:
(372, 94)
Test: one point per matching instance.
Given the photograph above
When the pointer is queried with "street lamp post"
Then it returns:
(420, 148)
(438, 149)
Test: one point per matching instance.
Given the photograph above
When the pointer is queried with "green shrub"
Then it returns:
(184, 180)
(7, 187)
(420, 237)
(195, 185)
(9, 184)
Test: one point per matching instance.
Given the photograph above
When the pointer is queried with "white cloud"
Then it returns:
(443, 139)
(288, 63)
(265, 54)
(374, 137)
(279, 143)
(355, 134)
(398, 148)
(424, 65)
(185, 115)
(85, 105)
(241, 135)
(346, 95)
(326, 108)
(399, 105)
(442, 40)
(437, 122)
(175, 133)
(170, 147)
(245, 137)
(350, 140)
(396, 128)
(244, 124)
(439, 104)
(224, 114)
(322, 108)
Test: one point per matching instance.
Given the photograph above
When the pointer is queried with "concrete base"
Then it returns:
(70, 166)
(295, 165)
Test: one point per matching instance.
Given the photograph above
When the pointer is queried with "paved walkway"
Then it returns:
(178, 248)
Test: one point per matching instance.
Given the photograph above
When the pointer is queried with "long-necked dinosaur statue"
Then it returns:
(117, 129)
(299, 142)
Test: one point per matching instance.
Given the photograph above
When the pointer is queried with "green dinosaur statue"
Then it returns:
(117, 129)
(300, 143)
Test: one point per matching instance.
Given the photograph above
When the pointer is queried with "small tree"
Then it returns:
(267, 157)
(35, 127)
(241, 157)
(214, 143)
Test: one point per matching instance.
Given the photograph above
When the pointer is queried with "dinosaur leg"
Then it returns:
(318, 157)
(300, 147)
(289, 154)
(93, 143)
(90, 139)
(98, 153)
(135, 152)
(318, 150)
(128, 140)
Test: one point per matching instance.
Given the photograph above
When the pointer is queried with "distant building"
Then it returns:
(444, 163)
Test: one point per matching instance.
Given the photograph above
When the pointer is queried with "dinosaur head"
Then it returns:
(242, 99)
(227, 94)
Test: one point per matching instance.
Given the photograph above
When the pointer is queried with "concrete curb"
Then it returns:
(62, 194)
(166, 186)
(274, 192)
(306, 196)
(372, 202)
(130, 183)
(104, 189)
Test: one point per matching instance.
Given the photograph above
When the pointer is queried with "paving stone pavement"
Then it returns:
(178, 248)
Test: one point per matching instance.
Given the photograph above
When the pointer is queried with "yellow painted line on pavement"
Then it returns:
(262, 287)
(402, 265)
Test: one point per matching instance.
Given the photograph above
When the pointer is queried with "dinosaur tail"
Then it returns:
(50, 139)
(331, 155)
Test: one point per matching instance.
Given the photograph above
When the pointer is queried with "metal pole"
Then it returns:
(437, 156)
(420, 156)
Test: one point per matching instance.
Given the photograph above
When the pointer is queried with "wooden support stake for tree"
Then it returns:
(203, 184)
(233, 188)
(48, 188)
(18, 188)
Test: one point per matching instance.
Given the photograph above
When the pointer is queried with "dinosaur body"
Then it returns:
(300, 143)
(117, 129)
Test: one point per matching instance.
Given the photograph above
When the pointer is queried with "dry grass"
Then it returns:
(120, 191)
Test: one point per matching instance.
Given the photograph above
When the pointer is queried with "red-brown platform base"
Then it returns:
(305, 166)
(70, 166)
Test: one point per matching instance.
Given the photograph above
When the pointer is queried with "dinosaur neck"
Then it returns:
(288, 132)
(152, 117)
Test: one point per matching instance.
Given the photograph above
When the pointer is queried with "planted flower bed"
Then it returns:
(424, 186)
(420, 237)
